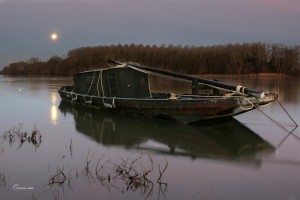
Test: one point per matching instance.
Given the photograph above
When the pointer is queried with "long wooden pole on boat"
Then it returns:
(239, 89)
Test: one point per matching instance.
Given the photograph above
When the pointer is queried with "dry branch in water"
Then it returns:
(131, 174)
(16, 135)
(58, 178)
(161, 173)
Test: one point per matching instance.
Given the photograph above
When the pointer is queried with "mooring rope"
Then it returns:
(287, 113)
(290, 133)
(276, 122)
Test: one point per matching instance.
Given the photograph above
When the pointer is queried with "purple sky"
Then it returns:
(25, 25)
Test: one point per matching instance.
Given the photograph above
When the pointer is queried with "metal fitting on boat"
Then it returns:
(240, 89)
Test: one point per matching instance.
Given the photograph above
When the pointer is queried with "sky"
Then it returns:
(26, 25)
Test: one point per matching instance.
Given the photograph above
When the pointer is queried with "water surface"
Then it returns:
(83, 153)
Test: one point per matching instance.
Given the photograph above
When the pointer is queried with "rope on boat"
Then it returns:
(73, 98)
(252, 104)
(86, 101)
(106, 105)
(99, 77)
(91, 83)
(103, 95)
(84, 96)
(113, 102)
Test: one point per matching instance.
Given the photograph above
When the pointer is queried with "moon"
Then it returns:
(53, 36)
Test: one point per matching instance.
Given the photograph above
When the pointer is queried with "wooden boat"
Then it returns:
(125, 88)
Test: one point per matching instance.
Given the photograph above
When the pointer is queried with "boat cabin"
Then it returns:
(122, 82)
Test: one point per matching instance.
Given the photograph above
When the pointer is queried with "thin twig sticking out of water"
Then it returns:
(71, 148)
(86, 172)
(162, 185)
(2, 180)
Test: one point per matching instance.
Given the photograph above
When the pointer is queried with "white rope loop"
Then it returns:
(250, 102)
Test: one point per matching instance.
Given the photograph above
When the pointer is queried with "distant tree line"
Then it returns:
(219, 59)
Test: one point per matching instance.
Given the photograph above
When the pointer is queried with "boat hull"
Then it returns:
(184, 109)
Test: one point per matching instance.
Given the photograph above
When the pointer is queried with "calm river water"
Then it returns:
(52, 150)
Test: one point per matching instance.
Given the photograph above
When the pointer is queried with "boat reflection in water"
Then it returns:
(229, 140)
